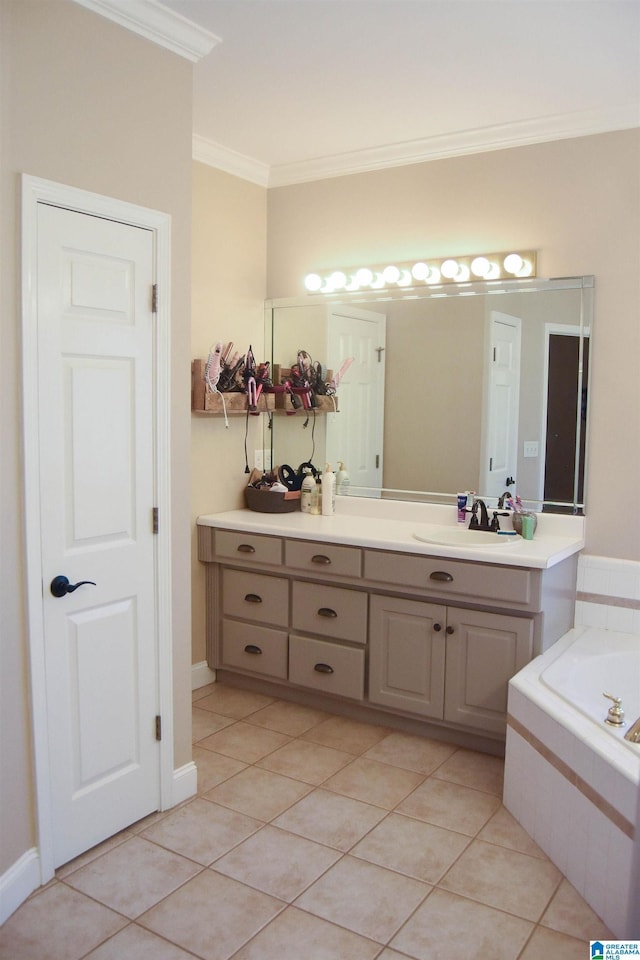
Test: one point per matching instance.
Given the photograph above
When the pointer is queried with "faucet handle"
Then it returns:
(615, 715)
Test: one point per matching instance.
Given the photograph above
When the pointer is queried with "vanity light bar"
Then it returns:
(432, 272)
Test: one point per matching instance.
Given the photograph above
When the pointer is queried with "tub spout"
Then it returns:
(633, 733)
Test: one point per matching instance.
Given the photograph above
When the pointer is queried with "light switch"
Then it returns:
(530, 448)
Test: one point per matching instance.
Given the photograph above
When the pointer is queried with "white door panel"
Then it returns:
(95, 379)
(502, 404)
(354, 435)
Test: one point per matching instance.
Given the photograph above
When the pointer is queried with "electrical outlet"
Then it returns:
(530, 448)
(258, 459)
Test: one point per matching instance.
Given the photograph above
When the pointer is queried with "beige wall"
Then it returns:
(229, 281)
(88, 104)
(576, 201)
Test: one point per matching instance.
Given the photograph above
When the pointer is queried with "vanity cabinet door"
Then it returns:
(407, 641)
(484, 650)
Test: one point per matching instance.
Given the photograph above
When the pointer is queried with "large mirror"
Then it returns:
(478, 387)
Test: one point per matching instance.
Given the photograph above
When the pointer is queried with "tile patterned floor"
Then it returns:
(315, 837)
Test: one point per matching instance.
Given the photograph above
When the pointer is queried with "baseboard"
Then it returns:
(185, 783)
(201, 675)
(18, 882)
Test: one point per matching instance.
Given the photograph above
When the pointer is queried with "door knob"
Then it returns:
(60, 585)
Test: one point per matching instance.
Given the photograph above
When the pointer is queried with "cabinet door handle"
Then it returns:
(320, 558)
(246, 548)
(441, 575)
(252, 648)
(323, 668)
(437, 627)
(253, 598)
(327, 612)
(450, 630)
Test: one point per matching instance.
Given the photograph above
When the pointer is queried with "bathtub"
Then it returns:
(571, 780)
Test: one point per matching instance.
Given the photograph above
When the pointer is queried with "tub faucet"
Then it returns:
(633, 733)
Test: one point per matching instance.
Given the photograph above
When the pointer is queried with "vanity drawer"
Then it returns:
(330, 611)
(255, 596)
(327, 666)
(323, 558)
(508, 586)
(253, 648)
(249, 547)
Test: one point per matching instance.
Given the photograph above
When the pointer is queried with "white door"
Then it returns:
(94, 374)
(499, 457)
(355, 434)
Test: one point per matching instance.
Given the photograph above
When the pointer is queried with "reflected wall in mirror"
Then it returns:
(477, 387)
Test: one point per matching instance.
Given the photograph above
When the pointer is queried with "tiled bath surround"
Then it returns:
(608, 594)
(582, 811)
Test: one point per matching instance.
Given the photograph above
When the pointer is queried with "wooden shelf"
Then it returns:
(207, 404)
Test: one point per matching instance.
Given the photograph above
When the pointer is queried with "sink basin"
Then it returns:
(463, 537)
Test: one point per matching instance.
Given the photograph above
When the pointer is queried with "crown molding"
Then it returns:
(151, 20)
(481, 140)
(215, 155)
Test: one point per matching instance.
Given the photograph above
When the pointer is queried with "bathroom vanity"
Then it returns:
(355, 610)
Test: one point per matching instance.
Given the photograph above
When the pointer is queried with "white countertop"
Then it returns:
(392, 525)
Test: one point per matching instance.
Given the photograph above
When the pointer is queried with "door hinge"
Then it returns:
(494, 354)
(490, 464)
(155, 520)
(377, 461)
(158, 727)
(379, 351)
(154, 298)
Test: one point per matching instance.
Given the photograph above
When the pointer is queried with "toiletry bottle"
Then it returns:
(342, 481)
(306, 492)
(316, 497)
(328, 491)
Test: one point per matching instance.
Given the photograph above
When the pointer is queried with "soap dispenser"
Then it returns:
(342, 481)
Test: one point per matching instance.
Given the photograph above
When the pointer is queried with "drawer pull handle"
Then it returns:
(327, 612)
(246, 548)
(320, 558)
(323, 668)
(441, 575)
(252, 648)
(450, 630)
(253, 598)
(437, 627)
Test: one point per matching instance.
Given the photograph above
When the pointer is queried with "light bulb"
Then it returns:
(391, 274)
(379, 282)
(353, 283)
(513, 263)
(449, 269)
(434, 275)
(480, 266)
(405, 278)
(463, 273)
(526, 269)
(313, 282)
(420, 271)
(364, 276)
(337, 280)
